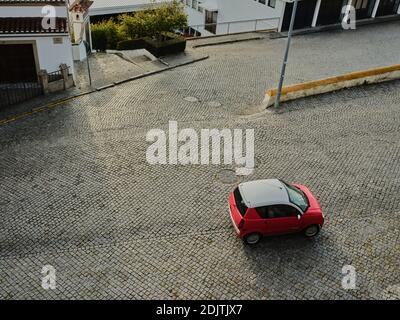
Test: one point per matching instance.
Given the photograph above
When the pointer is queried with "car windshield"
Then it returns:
(239, 202)
(297, 197)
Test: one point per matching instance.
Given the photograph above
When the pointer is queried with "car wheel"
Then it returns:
(312, 231)
(253, 238)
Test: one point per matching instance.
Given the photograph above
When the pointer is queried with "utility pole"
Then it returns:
(289, 39)
(88, 52)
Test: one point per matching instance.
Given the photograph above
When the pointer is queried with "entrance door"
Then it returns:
(211, 21)
(330, 11)
(304, 16)
(363, 8)
(17, 63)
(387, 7)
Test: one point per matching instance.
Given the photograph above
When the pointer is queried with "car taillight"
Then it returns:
(241, 224)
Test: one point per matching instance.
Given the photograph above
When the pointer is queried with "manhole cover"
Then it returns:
(191, 99)
(214, 104)
(227, 177)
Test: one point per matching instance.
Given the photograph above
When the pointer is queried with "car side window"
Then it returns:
(278, 211)
(263, 212)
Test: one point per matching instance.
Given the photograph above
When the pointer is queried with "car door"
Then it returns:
(281, 219)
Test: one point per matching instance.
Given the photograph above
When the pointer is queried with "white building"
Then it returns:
(228, 16)
(210, 17)
(29, 43)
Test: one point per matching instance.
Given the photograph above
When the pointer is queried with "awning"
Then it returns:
(209, 6)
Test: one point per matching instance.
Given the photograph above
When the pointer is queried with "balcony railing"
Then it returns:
(56, 75)
(225, 28)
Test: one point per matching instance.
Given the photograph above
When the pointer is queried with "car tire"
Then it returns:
(312, 231)
(252, 238)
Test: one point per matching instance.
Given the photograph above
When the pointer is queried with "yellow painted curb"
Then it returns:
(40, 109)
(347, 80)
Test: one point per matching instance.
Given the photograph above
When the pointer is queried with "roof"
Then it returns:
(262, 193)
(103, 7)
(31, 2)
(30, 25)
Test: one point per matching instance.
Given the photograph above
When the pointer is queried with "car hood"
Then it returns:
(314, 204)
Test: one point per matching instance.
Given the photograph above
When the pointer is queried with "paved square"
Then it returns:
(78, 194)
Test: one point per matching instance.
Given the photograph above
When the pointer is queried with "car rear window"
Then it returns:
(239, 202)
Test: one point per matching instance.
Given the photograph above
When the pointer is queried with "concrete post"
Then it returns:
(64, 71)
(44, 81)
(316, 13)
(375, 9)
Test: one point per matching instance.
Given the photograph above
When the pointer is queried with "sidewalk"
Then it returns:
(106, 69)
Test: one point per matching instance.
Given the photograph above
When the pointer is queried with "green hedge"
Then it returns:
(99, 40)
(132, 44)
(105, 35)
(171, 44)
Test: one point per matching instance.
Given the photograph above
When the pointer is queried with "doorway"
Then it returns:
(17, 63)
(304, 15)
(388, 7)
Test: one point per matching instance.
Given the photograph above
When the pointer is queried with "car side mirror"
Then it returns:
(298, 217)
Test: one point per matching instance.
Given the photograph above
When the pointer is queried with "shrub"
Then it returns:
(171, 44)
(152, 22)
(105, 35)
(132, 44)
(145, 29)
(99, 39)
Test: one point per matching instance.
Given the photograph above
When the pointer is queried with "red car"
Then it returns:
(270, 207)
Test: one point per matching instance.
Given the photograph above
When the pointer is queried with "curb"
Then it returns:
(62, 101)
(225, 42)
(230, 34)
(348, 80)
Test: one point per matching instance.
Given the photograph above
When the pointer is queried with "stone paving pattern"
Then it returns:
(78, 194)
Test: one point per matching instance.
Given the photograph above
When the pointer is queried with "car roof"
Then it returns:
(262, 193)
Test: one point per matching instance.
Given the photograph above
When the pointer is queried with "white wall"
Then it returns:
(52, 55)
(79, 51)
(238, 10)
(35, 11)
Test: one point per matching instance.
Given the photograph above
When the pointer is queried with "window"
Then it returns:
(211, 21)
(239, 202)
(297, 197)
(262, 1)
(272, 3)
(278, 211)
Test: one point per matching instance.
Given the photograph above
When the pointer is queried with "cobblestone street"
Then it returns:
(78, 194)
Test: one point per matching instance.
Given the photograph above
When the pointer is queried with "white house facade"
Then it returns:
(210, 17)
(28, 46)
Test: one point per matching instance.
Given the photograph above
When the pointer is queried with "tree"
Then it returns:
(166, 17)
